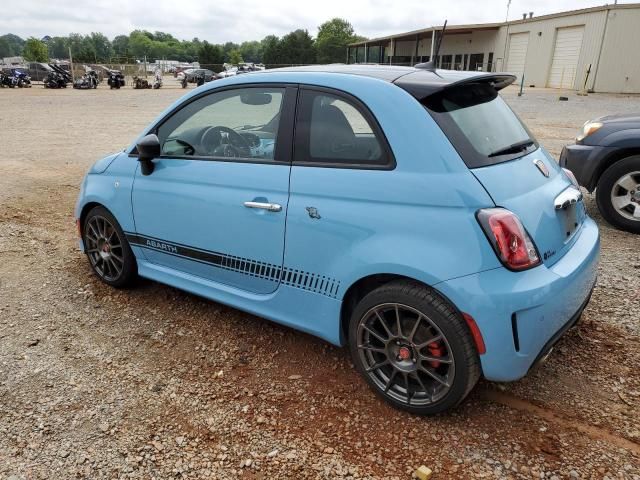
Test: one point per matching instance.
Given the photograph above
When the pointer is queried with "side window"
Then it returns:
(332, 129)
(240, 123)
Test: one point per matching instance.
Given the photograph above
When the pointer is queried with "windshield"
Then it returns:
(480, 125)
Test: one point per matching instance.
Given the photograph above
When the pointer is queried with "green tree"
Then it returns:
(235, 57)
(140, 45)
(251, 51)
(120, 45)
(271, 54)
(297, 48)
(163, 37)
(11, 45)
(210, 56)
(82, 48)
(35, 50)
(333, 38)
(58, 47)
(101, 46)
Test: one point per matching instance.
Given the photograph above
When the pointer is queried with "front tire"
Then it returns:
(413, 348)
(618, 194)
(107, 249)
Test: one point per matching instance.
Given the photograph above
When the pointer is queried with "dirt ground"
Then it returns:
(156, 383)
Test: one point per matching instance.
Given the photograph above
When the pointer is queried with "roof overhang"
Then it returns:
(427, 32)
(460, 29)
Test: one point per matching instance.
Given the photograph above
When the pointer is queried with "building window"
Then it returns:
(457, 63)
(476, 61)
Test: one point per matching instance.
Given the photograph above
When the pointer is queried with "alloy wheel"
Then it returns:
(625, 196)
(104, 248)
(405, 354)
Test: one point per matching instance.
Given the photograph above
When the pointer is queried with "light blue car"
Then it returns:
(406, 212)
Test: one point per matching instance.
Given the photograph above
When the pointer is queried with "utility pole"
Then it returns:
(73, 78)
(506, 38)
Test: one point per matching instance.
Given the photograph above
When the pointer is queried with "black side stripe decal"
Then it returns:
(309, 281)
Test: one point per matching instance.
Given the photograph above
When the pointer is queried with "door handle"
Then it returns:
(271, 207)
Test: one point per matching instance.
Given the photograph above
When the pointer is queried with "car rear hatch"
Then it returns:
(505, 157)
(521, 186)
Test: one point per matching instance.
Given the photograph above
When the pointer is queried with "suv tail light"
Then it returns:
(509, 239)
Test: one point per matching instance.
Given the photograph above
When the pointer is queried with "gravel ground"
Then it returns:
(156, 383)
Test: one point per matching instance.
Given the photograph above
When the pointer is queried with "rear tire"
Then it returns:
(618, 194)
(413, 348)
(107, 249)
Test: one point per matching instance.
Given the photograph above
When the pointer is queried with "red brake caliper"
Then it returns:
(435, 350)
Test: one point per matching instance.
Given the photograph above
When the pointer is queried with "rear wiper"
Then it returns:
(513, 148)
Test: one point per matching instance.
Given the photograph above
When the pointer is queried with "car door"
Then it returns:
(215, 204)
(340, 186)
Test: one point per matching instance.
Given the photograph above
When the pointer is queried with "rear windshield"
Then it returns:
(480, 125)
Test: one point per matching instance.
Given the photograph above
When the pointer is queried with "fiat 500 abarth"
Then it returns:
(405, 212)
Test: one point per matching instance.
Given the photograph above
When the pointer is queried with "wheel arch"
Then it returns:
(364, 285)
(86, 208)
(610, 160)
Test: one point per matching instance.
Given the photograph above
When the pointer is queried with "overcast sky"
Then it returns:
(219, 21)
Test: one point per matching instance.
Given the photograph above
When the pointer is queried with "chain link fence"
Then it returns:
(171, 74)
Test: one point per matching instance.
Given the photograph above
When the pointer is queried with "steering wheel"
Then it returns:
(223, 142)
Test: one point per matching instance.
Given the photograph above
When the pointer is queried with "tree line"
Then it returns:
(297, 47)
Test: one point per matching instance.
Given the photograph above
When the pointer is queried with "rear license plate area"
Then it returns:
(570, 219)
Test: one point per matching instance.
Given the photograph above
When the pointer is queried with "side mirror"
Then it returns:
(148, 148)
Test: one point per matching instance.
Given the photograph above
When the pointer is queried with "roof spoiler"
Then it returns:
(420, 89)
(496, 80)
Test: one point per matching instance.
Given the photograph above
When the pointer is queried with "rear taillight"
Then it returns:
(509, 239)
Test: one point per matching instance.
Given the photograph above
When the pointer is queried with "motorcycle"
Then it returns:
(139, 83)
(87, 81)
(116, 79)
(183, 81)
(22, 79)
(54, 80)
(65, 75)
(7, 80)
(17, 78)
(157, 83)
(200, 80)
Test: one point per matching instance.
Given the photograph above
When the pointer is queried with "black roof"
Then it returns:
(419, 82)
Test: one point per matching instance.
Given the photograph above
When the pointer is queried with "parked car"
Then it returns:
(38, 71)
(425, 226)
(606, 158)
(229, 71)
(193, 74)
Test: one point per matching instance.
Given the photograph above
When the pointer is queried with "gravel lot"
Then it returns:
(156, 383)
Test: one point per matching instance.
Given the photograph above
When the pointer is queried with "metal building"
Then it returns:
(594, 48)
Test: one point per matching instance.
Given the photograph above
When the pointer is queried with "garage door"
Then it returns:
(518, 43)
(565, 57)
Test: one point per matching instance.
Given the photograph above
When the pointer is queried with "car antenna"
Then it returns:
(431, 64)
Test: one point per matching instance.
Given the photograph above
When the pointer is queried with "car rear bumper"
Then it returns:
(585, 162)
(522, 314)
